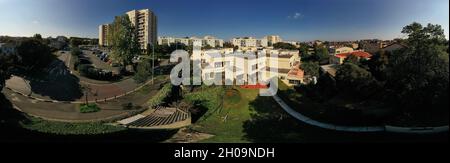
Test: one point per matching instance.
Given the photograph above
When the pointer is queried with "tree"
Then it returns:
(419, 74)
(7, 62)
(75, 42)
(352, 79)
(321, 55)
(34, 54)
(143, 71)
(283, 45)
(377, 65)
(311, 68)
(207, 47)
(38, 37)
(352, 59)
(123, 39)
(228, 45)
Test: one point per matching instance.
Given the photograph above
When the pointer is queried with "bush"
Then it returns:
(143, 71)
(95, 73)
(89, 108)
(158, 99)
(76, 51)
(62, 128)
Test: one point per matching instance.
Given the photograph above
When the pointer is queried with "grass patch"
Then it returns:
(227, 113)
(62, 128)
(158, 99)
(232, 96)
(89, 108)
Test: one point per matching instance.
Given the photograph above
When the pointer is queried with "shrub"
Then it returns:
(62, 128)
(89, 108)
(158, 99)
(95, 73)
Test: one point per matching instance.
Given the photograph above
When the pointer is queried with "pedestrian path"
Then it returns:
(359, 129)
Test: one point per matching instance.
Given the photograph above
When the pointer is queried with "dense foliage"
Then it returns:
(123, 39)
(283, 45)
(7, 62)
(419, 74)
(143, 71)
(159, 98)
(95, 73)
(34, 55)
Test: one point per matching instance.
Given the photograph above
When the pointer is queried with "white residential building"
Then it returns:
(207, 40)
(273, 39)
(249, 42)
(252, 67)
(144, 21)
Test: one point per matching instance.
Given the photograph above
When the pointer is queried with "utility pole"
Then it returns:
(153, 64)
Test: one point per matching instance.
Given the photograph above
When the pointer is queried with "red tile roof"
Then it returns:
(296, 72)
(359, 54)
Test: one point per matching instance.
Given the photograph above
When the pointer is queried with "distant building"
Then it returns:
(334, 51)
(145, 22)
(59, 42)
(394, 47)
(273, 39)
(329, 69)
(339, 58)
(288, 65)
(207, 40)
(249, 42)
(102, 35)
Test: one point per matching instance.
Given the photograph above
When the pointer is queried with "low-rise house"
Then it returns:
(394, 47)
(329, 69)
(339, 58)
(338, 50)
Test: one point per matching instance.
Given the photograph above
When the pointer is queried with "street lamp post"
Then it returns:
(153, 64)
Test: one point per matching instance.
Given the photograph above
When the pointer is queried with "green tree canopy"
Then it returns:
(353, 79)
(321, 55)
(123, 39)
(34, 54)
(311, 68)
(144, 70)
(419, 74)
(283, 45)
(7, 61)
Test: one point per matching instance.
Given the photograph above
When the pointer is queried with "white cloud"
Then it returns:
(296, 15)
(35, 22)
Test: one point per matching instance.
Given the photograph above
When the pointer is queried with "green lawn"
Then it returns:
(260, 119)
(244, 121)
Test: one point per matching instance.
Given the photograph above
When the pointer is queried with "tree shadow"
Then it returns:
(10, 119)
(59, 83)
(198, 111)
(270, 123)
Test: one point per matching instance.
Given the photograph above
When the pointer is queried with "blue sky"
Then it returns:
(302, 20)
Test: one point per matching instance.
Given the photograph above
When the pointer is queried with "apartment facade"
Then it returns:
(273, 39)
(252, 69)
(145, 22)
(189, 41)
(249, 42)
(102, 34)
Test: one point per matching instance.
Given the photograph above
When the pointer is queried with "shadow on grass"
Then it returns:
(269, 124)
(11, 131)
